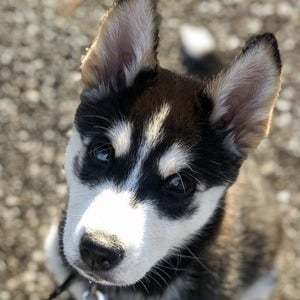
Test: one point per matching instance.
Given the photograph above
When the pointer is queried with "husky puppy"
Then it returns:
(160, 206)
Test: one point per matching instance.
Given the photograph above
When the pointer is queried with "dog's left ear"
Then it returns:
(126, 44)
(245, 94)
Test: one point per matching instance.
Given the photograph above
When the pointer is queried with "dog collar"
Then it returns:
(91, 293)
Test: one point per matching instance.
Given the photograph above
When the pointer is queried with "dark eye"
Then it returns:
(180, 185)
(102, 155)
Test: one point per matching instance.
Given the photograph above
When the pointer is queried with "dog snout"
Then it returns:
(100, 252)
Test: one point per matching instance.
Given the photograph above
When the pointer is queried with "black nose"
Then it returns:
(100, 252)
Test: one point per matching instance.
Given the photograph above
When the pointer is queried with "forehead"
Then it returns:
(138, 104)
(181, 94)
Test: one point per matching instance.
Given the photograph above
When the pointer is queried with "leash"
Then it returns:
(60, 289)
(91, 293)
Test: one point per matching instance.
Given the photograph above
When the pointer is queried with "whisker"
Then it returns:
(151, 277)
(100, 127)
(97, 117)
(205, 172)
(97, 148)
(161, 277)
(214, 274)
(144, 286)
(181, 181)
(93, 132)
(159, 267)
(172, 266)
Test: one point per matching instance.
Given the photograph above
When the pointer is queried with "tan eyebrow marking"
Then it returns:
(173, 160)
(120, 137)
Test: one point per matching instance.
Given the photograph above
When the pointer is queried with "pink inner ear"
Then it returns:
(247, 95)
(126, 58)
(236, 103)
(120, 55)
(125, 44)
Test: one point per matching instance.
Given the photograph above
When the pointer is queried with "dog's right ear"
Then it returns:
(244, 95)
(126, 44)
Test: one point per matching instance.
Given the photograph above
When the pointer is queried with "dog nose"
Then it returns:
(100, 252)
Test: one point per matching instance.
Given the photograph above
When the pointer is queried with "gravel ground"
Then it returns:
(39, 85)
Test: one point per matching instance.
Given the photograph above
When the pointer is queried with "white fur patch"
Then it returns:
(76, 147)
(78, 193)
(152, 135)
(120, 137)
(173, 160)
(153, 131)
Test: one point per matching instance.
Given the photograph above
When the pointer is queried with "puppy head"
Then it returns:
(153, 152)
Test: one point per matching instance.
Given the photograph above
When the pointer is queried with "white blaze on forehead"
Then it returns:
(120, 137)
(153, 131)
(152, 135)
(173, 160)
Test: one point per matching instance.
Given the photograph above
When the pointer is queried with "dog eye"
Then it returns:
(102, 155)
(180, 185)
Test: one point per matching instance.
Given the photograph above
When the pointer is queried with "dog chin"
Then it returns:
(103, 278)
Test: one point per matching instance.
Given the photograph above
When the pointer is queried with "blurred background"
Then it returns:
(40, 51)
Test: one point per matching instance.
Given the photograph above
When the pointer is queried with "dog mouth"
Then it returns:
(103, 277)
(107, 281)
